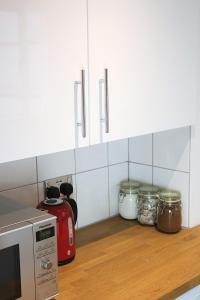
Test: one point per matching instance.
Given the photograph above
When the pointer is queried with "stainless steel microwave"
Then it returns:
(28, 255)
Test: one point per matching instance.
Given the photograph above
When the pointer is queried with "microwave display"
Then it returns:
(45, 234)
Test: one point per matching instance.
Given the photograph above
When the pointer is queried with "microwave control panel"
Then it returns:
(46, 262)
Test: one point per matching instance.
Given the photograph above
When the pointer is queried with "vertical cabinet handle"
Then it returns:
(80, 114)
(83, 103)
(104, 105)
(106, 101)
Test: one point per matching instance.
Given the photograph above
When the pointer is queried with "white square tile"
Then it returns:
(90, 158)
(26, 195)
(55, 165)
(174, 180)
(141, 173)
(92, 196)
(194, 218)
(17, 173)
(171, 149)
(41, 191)
(117, 151)
(140, 149)
(117, 173)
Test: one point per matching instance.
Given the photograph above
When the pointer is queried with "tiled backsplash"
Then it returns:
(96, 171)
(162, 159)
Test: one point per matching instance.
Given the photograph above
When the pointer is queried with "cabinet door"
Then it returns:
(151, 51)
(43, 48)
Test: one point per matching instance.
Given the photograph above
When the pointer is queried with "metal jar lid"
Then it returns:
(170, 196)
(149, 190)
(129, 186)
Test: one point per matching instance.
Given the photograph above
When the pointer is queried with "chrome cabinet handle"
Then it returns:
(106, 101)
(83, 103)
(104, 106)
(80, 123)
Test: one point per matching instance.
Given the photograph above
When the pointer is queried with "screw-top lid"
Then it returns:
(170, 196)
(149, 190)
(129, 186)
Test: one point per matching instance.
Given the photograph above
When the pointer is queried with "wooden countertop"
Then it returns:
(122, 260)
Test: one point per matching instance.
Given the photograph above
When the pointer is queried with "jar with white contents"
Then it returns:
(147, 204)
(128, 196)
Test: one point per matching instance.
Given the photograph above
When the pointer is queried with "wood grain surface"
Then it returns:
(122, 260)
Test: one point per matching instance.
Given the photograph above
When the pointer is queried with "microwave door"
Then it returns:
(17, 263)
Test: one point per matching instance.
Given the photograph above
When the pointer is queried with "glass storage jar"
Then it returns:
(169, 212)
(128, 196)
(147, 204)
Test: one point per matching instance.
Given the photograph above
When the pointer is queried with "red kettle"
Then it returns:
(65, 227)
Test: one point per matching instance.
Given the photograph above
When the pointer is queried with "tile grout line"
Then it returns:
(71, 174)
(75, 182)
(18, 187)
(128, 159)
(155, 166)
(108, 172)
(189, 188)
(152, 159)
(95, 169)
(179, 171)
(36, 164)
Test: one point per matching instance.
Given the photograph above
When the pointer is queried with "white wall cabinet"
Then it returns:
(43, 48)
(149, 49)
(151, 52)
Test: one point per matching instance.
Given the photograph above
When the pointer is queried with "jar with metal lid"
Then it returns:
(147, 204)
(169, 212)
(128, 196)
